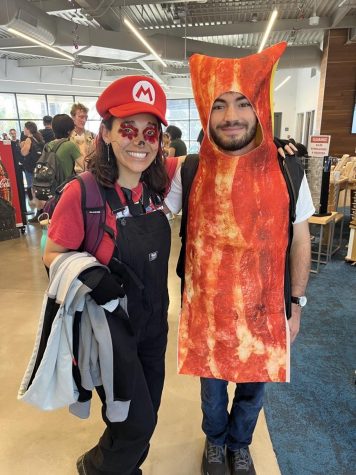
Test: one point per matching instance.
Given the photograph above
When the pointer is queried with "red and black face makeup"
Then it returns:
(150, 133)
(128, 130)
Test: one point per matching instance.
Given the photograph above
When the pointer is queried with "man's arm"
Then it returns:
(300, 267)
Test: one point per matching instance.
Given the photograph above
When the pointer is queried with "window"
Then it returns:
(6, 125)
(177, 109)
(39, 124)
(193, 111)
(93, 126)
(31, 106)
(59, 104)
(90, 103)
(8, 106)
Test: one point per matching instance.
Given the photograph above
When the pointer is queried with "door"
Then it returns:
(277, 124)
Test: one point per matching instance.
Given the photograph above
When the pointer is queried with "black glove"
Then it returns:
(105, 286)
(280, 143)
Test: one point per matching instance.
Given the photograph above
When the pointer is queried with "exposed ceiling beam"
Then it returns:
(340, 15)
(150, 69)
(102, 13)
(54, 5)
(248, 27)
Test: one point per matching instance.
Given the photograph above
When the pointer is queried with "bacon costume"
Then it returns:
(233, 324)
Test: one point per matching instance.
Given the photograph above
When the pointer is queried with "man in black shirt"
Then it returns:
(177, 147)
(47, 133)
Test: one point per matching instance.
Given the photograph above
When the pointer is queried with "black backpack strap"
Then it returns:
(293, 172)
(188, 171)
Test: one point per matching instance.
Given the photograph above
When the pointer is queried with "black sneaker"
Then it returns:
(213, 459)
(81, 466)
(240, 462)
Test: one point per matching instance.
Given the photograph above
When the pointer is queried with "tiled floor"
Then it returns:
(38, 443)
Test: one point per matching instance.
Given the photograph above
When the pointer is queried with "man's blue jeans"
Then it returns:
(234, 429)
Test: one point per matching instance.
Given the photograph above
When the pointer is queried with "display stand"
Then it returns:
(351, 249)
(8, 161)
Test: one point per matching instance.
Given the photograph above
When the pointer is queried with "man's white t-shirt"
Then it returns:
(304, 207)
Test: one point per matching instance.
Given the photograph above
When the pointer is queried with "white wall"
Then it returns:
(299, 94)
(284, 100)
(308, 91)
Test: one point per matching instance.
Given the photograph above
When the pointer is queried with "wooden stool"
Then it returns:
(323, 221)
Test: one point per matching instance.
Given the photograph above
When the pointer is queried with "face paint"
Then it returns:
(128, 130)
(150, 134)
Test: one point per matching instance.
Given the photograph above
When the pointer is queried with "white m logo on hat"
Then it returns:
(143, 91)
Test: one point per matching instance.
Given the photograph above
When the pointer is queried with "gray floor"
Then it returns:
(38, 443)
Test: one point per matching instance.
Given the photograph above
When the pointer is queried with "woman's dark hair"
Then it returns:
(102, 163)
(62, 126)
(32, 127)
(174, 132)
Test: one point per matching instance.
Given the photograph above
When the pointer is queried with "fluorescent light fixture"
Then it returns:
(40, 43)
(282, 83)
(268, 30)
(142, 39)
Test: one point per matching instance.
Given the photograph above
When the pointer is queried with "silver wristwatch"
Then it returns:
(301, 301)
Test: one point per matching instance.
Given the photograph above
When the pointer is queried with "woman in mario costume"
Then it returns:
(128, 165)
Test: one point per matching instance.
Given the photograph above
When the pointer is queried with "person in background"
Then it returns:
(128, 164)
(18, 163)
(5, 136)
(177, 147)
(47, 132)
(83, 138)
(31, 149)
(68, 152)
(13, 136)
(165, 144)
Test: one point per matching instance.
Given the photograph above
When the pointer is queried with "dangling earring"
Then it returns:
(108, 150)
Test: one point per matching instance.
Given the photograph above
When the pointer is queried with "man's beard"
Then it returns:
(232, 144)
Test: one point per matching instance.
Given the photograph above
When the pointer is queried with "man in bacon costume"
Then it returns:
(247, 254)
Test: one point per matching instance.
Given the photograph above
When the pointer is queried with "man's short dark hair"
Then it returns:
(62, 126)
(47, 120)
(174, 132)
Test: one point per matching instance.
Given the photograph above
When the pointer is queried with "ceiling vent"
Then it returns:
(27, 19)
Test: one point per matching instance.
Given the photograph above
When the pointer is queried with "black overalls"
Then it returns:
(143, 247)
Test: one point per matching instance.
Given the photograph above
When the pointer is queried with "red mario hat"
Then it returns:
(133, 95)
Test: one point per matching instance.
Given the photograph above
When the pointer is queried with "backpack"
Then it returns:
(48, 172)
(30, 160)
(93, 204)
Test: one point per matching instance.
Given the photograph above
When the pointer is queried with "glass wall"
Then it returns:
(16, 109)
